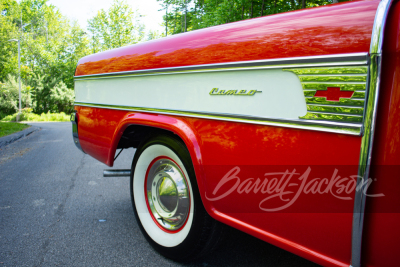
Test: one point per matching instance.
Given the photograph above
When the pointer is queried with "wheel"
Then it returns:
(166, 201)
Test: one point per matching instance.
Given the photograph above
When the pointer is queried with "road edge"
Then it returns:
(8, 139)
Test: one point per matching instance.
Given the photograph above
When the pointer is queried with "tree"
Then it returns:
(119, 26)
(195, 14)
(50, 49)
(8, 30)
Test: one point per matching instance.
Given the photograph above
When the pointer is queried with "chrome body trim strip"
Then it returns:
(310, 61)
(338, 106)
(349, 108)
(325, 126)
(344, 110)
(369, 128)
(335, 113)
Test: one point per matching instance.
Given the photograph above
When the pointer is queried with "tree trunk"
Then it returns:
(174, 21)
(251, 10)
(275, 7)
(242, 9)
(233, 11)
(335, 1)
(262, 8)
(195, 16)
(303, 4)
(166, 21)
(185, 16)
(182, 28)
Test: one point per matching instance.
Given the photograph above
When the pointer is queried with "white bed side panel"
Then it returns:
(281, 97)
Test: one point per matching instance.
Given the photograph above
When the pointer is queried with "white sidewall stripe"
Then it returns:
(159, 236)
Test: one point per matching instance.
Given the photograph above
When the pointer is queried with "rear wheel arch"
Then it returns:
(144, 126)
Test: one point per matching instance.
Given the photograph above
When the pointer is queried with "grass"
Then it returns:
(7, 128)
(35, 117)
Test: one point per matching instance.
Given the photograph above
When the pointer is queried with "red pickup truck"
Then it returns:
(286, 127)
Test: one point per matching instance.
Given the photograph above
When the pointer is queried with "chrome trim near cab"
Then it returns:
(341, 60)
(369, 128)
(324, 126)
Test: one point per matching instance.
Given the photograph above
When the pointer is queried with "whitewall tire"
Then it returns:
(166, 201)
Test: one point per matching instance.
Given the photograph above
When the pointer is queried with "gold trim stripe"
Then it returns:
(343, 86)
(330, 109)
(332, 117)
(331, 70)
(339, 78)
(341, 102)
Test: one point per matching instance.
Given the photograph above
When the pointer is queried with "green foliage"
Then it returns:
(119, 26)
(50, 49)
(152, 35)
(8, 30)
(9, 95)
(2, 115)
(51, 45)
(62, 98)
(7, 128)
(187, 15)
(27, 115)
(50, 94)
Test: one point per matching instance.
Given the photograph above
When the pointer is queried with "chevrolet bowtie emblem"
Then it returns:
(333, 94)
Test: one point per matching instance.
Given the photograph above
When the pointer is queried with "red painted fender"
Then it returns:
(178, 127)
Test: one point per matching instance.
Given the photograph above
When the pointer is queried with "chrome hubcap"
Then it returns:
(167, 194)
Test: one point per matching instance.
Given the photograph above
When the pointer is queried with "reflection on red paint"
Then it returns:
(337, 29)
(217, 146)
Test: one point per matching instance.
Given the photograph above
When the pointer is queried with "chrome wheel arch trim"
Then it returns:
(370, 117)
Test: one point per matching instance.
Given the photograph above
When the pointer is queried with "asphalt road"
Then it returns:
(56, 209)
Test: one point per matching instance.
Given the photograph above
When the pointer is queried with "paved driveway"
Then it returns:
(56, 209)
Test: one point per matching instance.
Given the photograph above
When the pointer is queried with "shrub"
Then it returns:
(62, 98)
(9, 95)
(27, 115)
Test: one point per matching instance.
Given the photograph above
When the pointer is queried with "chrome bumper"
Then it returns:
(74, 120)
